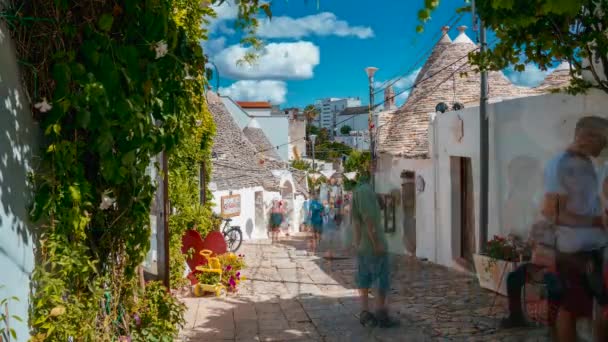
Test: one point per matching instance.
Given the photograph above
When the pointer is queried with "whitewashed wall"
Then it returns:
(296, 136)
(246, 220)
(18, 150)
(388, 178)
(524, 134)
(276, 129)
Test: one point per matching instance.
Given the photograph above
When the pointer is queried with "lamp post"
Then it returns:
(370, 71)
(313, 137)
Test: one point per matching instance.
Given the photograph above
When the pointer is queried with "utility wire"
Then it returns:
(401, 92)
(423, 57)
(427, 50)
(429, 77)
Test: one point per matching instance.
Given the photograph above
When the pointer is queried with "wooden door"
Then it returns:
(408, 202)
(467, 212)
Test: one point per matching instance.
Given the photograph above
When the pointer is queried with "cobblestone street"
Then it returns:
(293, 296)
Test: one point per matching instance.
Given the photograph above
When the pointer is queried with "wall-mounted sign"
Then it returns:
(458, 129)
(231, 205)
(420, 184)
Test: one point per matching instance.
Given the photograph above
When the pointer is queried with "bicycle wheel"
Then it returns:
(234, 238)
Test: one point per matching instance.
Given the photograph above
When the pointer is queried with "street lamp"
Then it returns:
(370, 71)
(313, 137)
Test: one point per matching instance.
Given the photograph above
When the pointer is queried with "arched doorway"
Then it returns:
(287, 194)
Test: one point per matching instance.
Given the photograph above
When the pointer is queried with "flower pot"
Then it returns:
(492, 273)
(200, 289)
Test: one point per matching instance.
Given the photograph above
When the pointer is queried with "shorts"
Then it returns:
(317, 227)
(573, 240)
(276, 220)
(372, 270)
(576, 297)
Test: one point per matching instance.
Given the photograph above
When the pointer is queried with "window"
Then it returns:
(387, 204)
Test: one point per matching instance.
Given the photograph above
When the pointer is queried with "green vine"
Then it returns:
(112, 84)
(192, 154)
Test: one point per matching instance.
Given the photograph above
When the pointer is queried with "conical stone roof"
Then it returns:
(236, 164)
(260, 141)
(446, 77)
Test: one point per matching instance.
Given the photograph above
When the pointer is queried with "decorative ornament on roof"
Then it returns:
(441, 107)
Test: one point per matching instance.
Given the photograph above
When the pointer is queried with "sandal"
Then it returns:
(367, 319)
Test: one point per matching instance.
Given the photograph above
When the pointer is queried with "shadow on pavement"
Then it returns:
(291, 295)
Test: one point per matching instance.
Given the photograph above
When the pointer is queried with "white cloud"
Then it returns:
(228, 10)
(322, 24)
(249, 90)
(277, 61)
(213, 46)
(531, 77)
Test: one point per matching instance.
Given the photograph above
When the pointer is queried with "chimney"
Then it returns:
(445, 37)
(389, 98)
(462, 37)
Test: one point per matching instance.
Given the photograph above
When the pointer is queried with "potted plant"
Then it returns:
(209, 276)
(232, 265)
(502, 256)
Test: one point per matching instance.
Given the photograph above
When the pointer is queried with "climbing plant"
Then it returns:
(113, 84)
(191, 154)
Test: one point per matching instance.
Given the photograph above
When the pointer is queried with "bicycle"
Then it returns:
(233, 235)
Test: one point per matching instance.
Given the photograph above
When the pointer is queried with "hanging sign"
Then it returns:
(231, 205)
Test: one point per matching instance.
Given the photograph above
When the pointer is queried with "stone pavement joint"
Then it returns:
(292, 295)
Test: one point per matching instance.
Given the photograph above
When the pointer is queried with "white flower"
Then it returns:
(161, 49)
(43, 106)
(106, 201)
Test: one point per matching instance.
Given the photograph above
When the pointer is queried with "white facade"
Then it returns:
(297, 137)
(330, 107)
(254, 220)
(275, 127)
(524, 134)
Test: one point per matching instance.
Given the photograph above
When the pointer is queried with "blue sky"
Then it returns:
(321, 52)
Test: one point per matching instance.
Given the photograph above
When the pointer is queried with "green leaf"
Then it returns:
(266, 8)
(83, 118)
(105, 22)
(424, 15)
(61, 75)
(57, 129)
(75, 194)
(129, 158)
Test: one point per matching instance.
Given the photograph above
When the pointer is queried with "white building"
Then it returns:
(247, 176)
(329, 108)
(427, 172)
(357, 119)
(273, 122)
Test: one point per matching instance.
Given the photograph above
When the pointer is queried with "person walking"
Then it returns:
(276, 219)
(316, 221)
(572, 204)
(372, 257)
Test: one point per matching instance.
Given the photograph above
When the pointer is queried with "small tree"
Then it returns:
(544, 32)
(345, 130)
(357, 161)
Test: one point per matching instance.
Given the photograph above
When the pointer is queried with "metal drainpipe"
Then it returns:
(483, 149)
